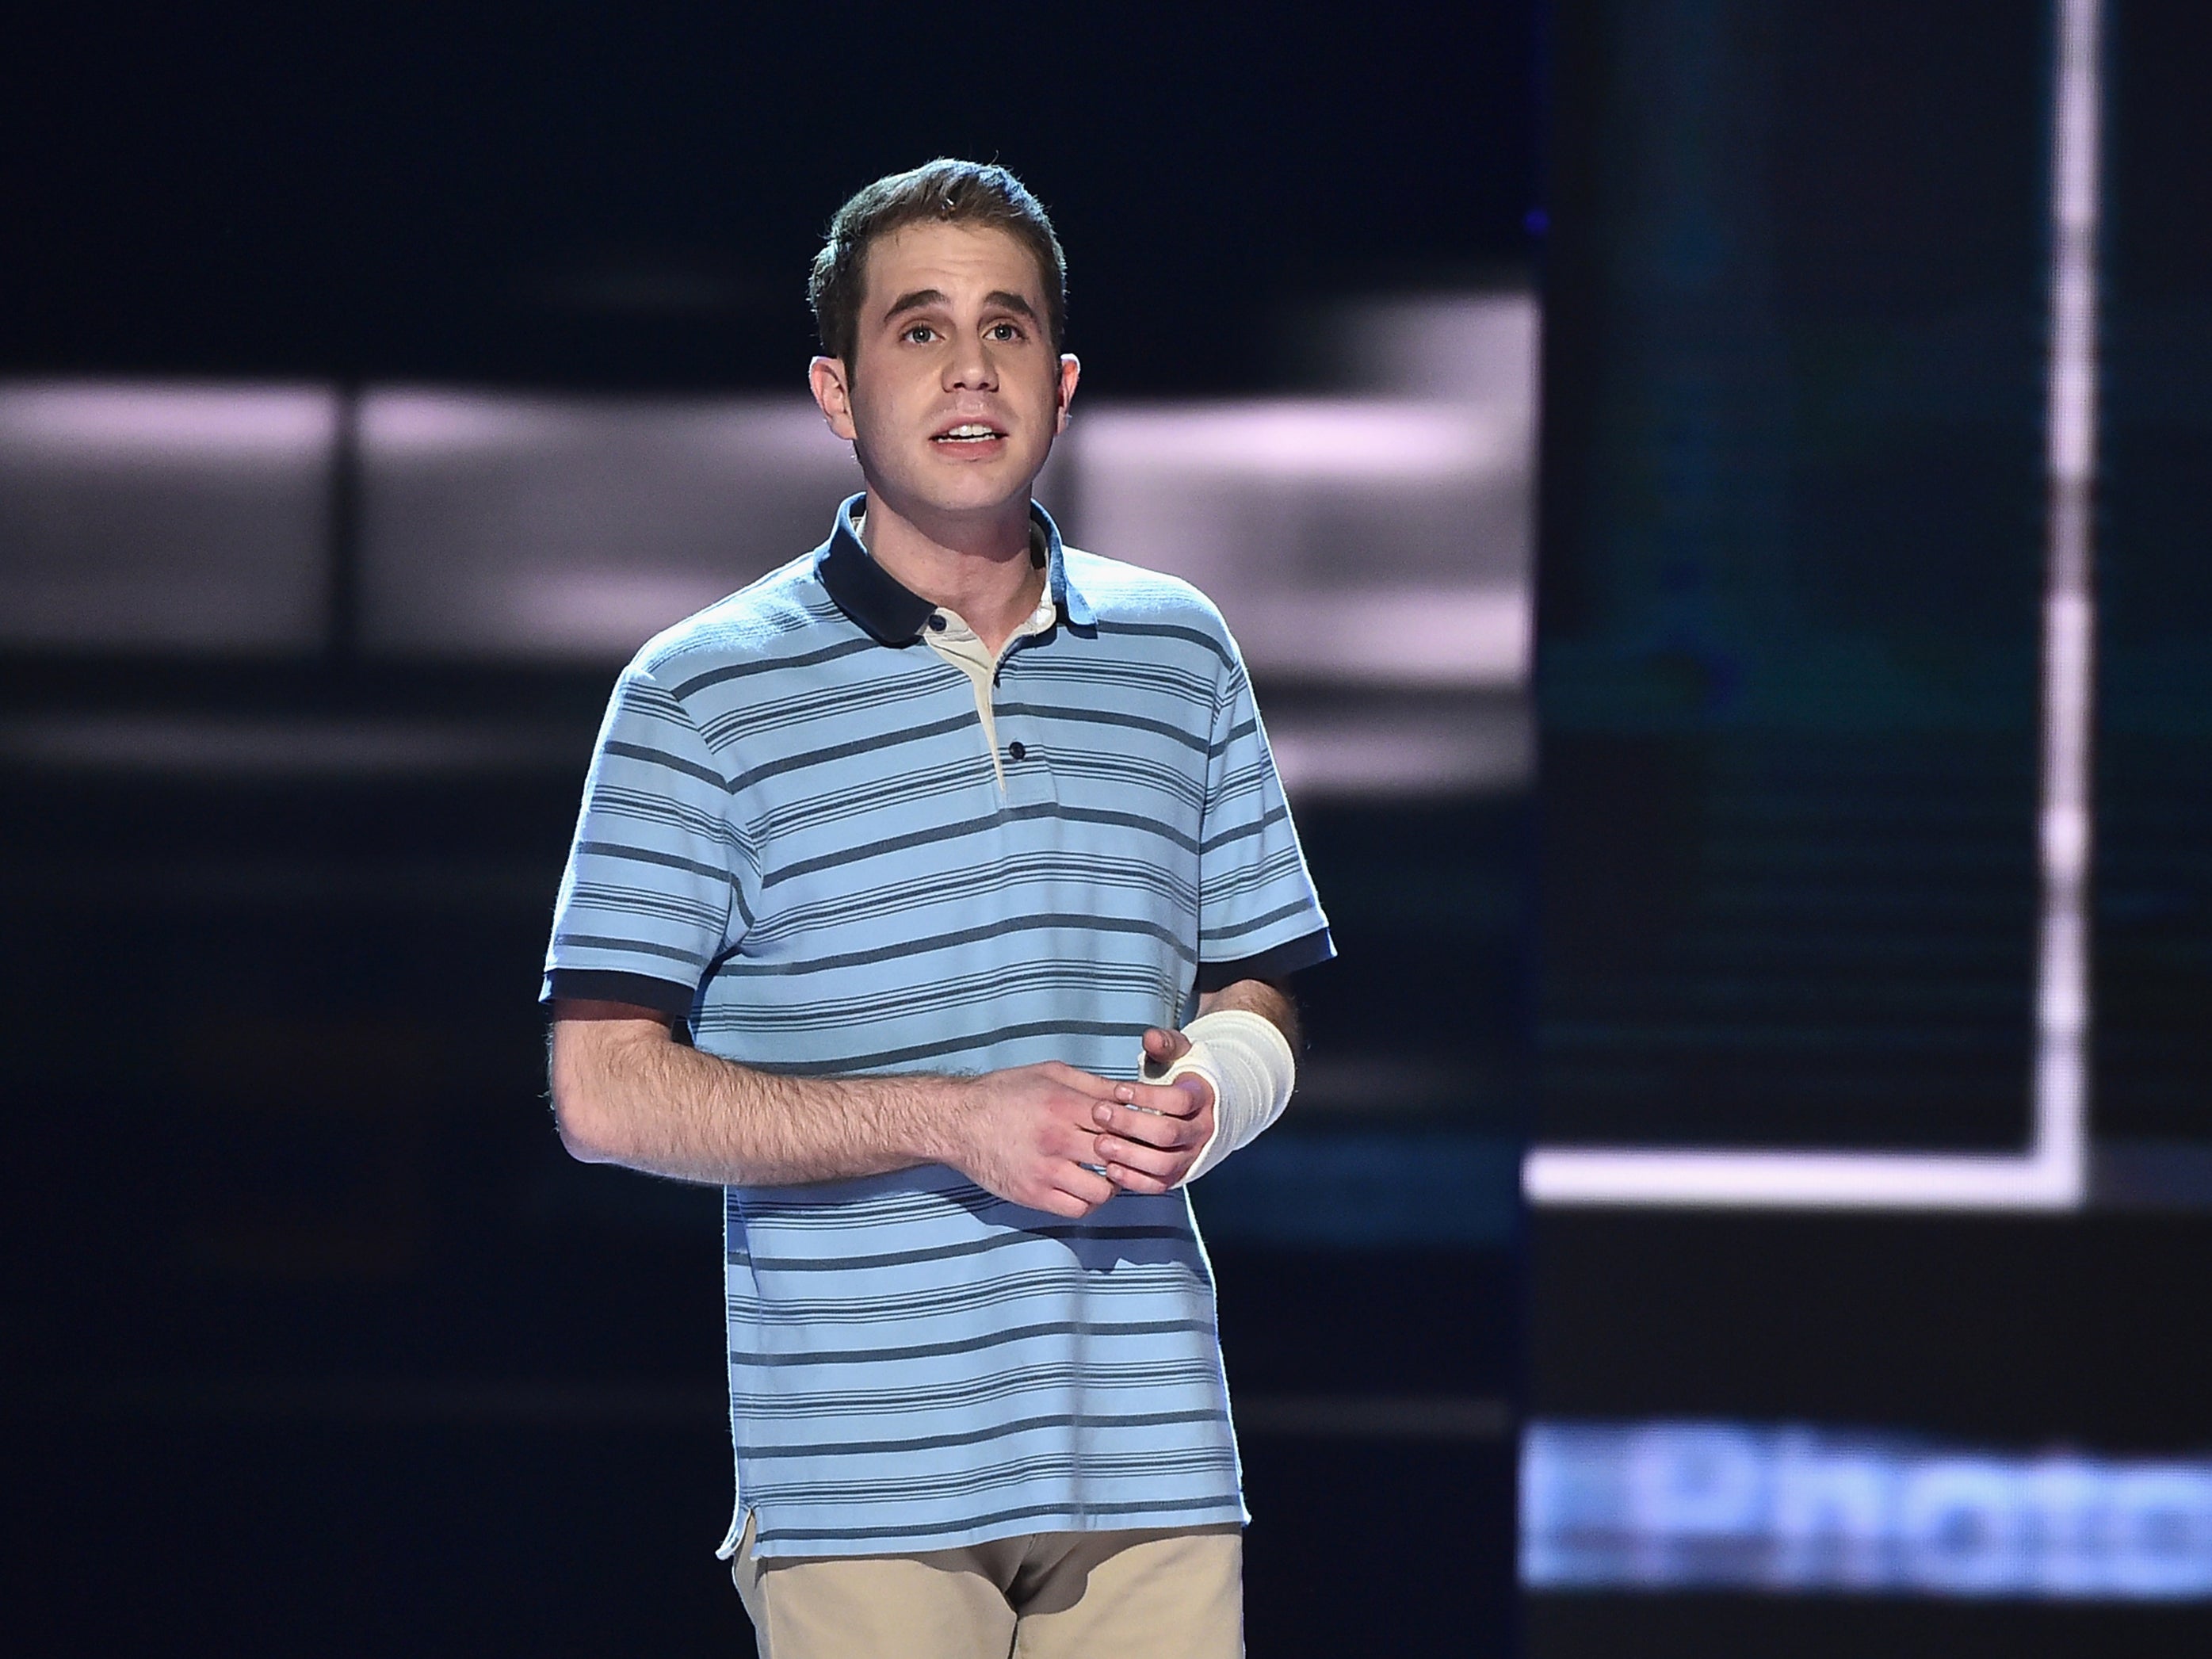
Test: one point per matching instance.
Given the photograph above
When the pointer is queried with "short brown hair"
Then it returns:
(945, 191)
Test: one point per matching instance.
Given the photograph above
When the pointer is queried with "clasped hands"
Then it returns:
(1063, 1141)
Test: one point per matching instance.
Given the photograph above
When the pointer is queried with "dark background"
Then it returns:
(317, 1340)
(574, 194)
(1793, 574)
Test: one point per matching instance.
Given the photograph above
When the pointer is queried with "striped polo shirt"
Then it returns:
(796, 838)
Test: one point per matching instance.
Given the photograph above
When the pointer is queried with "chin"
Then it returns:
(978, 490)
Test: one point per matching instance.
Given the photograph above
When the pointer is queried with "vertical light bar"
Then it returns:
(2069, 613)
(2053, 1173)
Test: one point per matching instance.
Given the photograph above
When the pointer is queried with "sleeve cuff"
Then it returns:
(597, 985)
(1309, 952)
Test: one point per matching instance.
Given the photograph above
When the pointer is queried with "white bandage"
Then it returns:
(1252, 1069)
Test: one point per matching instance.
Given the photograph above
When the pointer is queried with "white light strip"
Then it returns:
(2063, 1009)
(1800, 1181)
(2053, 1174)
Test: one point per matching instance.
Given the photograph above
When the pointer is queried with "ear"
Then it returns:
(1071, 371)
(833, 391)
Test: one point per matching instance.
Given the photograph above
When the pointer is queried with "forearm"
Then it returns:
(1269, 999)
(624, 1093)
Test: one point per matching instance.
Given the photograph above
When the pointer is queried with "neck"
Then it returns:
(978, 569)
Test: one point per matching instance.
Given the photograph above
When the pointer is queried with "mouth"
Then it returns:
(968, 432)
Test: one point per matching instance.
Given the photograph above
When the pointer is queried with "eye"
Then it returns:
(1005, 331)
(918, 333)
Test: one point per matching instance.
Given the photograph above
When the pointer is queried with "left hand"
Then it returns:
(1153, 1132)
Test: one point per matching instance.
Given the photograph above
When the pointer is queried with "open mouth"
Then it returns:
(969, 432)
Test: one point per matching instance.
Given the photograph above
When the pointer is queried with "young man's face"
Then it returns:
(955, 394)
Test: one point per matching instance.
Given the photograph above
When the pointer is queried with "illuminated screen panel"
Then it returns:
(1367, 541)
(166, 517)
(1796, 635)
(577, 527)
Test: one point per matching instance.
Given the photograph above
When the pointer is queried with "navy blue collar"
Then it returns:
(893, 613)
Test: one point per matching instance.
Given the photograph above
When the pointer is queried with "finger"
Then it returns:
(1145, 1128)
(1053, 1201)
(1133, 1155)
(1072, 1162)
(1185, 1096)
(1154, 1129)
(1089, 1086)
(1136, 1181)
(1166, 1045)
(1087, 1186)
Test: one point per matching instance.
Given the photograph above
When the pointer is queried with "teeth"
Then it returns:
(971, 430)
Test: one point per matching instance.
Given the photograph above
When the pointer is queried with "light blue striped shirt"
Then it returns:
(794, 838)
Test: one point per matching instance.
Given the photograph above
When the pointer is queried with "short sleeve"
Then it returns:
(1259, 917)
(655, 874)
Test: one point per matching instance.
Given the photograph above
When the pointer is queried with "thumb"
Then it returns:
(1163, 1047)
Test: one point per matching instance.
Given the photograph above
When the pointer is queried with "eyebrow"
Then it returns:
(1005, 302)
(914, 301)
(999, 298)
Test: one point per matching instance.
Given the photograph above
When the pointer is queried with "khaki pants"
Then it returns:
(1049, 1595)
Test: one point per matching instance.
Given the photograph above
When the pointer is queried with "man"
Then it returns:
(936, 896)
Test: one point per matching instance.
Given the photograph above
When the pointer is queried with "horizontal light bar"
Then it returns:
(1800, 1181)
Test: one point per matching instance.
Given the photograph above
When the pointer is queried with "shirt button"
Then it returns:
(936, 625)
(1017, 751)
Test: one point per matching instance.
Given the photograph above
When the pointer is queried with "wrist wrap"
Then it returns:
(1250, 1066)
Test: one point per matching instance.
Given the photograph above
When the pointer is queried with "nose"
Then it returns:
(969, 367)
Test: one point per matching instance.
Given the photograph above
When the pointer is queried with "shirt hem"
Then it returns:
(812, 1547)
(1308, 951)
(603, 985)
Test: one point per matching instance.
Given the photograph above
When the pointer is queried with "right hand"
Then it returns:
(1026, 1134)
